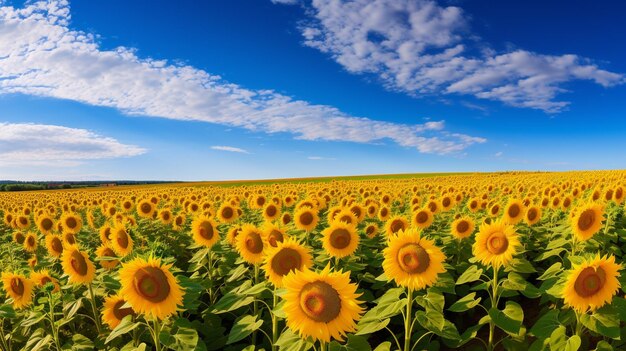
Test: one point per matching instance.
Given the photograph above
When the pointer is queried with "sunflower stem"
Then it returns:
(578, 324)
(210, 271)
(157, 332)
(494, 304)
(55, 331)
(408, 320)
(94, 309)
(274, 322)
(322, 346)
(255, 304)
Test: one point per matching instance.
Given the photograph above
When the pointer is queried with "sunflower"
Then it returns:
(321, 305)
(462, 227)
(496, 243)
(204, 231)
(533, 215)
(150, 287)
(145, 209)
(384, 213)
(54, 244)
(423, 218)
(231, 236)
(514, 212)
(347, 217)
(77, 265)
(43, 277)
(69, 238)
(114, 310)
(587, 220)
(22, 222)
(306, 218)
(227, 213)
(340, 239)
(412, 261)
(286, 218)
(105, 252)
(30, 243)
(271, 212)
(395, 224)
(371, 230)
(19, 237)
(273, 234)
(19, 288)
(121, 242)
(179, 222)
(250, 244)
(71, 222)
(165, 215)
(105, 234)
(591, 284)
(286, 257)
(45, 224)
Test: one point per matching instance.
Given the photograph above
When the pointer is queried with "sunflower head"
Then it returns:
(106, 253)
(496, 243)
(54, 244)
(146, 209)
(462, 227)
(250, 244)
(121, 242)
(77, 265)
(321, 305)
(19, 288)
(286, 257)
(587, 220)
(71, 222)
(227, 213)
(306, 218)
(532, 215)
(273, 234)
(423, 218)
(412, 261)
(514, 211)
(204, 231)
(43, 277)
(591, 284)
(340, 239)
(115, 309)
(45, 224)
(371, 230)
(395, 224)
(30, 243)
(271, 212)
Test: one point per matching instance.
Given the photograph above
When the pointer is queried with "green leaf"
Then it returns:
(389, 305)
(471, 274)
(603, 346)
(243, 327)
(520, 265)
(384, 346)
(560, 342)
(81, 342)
(354, 343)
(604, 322)
(231, 301)
(510, 319)
(432, 320)
(546, 324)
(465, 303)
(289, 341)
(125, 326)
(552, 272)
(7, 311)
(182, 336)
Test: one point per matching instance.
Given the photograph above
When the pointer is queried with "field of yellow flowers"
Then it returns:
(508, 261)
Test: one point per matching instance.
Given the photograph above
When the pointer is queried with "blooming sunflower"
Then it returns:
(591, 284)
(371, 230)
(19, 288)
(273, 234)
(496, 243)
(271, 212)
(30, 243)
(412, 261)
(286, 257)
(114, 310)
(462, 227)
(533, 215)
(227, 213)
(396, 224)
(71, 222)
(45, 224)
(306, 218)
(321, 305)
(346, 216)
(150, 287)
(145, 209)
(423, 218)
(77, 265)
(105, 234)
(54, 244)
(165, 215)
(231, 236)
(250, 244)
(587, 220)
(105, 252)
(286, 218)
(340, 239)
(384, 213)
(121, 242)
(43, 277)
(514, 212)
(204, 231)
(179, 222)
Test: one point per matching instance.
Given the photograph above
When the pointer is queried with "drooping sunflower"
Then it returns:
(396, 224)
(462, 227)
(340, 239)
(273, 234)
(286, 257)
(150, 287)
(121, 242)
(423, 218)
(54, 244)
(43, 277)
(250, 244)
(30, 243)
(106, 253)
(204, 231)
(45, 224)
(533, 215)
(591, 284)
(71, 222)
(496, 243)
(412, 261)
(19, 288)
(321, 305)
(587, 220)
(77, 265)
(306, 218)
(114, 310)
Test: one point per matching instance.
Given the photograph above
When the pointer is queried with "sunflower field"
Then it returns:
(508, 261)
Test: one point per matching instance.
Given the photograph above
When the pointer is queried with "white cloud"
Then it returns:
(418, 47)
(499, 153)
(285, 2)
(40, 55)
(320, 158)
(23, 144)
(229, 149)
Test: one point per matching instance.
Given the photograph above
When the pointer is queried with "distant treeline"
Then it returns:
(9, 185)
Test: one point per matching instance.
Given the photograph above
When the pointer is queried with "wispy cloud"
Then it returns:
(229, 149)
(320, 158)
(419, 47)
(40, 55)
(23, 144)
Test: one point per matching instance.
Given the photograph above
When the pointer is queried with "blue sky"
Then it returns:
(240, 89)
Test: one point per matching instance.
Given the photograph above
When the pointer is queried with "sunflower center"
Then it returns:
(340, 238)
(19, 237)
(495, 209)
(46, 224)
(70, 238)
(146, 208)
(286, 260)
(462, 227)
(151, 283)
(179, 220)
(586, 219)
(254, 243)
(497, 243)
(17, 286)
(206, 230)
(120, 312)
(271, 211)
(275, 237)
(57, 245)
(370, 230)
(78, 263)
(71, 222)
(108, 252)
(396, 225)
(422, 217)
(514, 210)
(227, 212)
(306, 218)
(122, 239)
(590, 281)
(413, 259)
(532, 214)
(383, 212)
(320, 301)
(446, 202)
(30, 241)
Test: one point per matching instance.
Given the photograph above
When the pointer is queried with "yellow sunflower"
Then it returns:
(227, 213)
(30, 243)
(306, 218)
(121, 242)
(105, 251)
(250, 244)
(77, 265)
(71, 222)
(271, 212)
(346, 216)
(45, 224)
(150, 287)
(514, 212)
(384, 213)
(412, 261)
(19, 288)
(462, 227)
(340, 239)
(54, 244)
(591, 284)
(43, 277)
(587, 220)
(231, 236)
(496, 243)
(145, 209)
(286, 257)
(423, 218)
(179, 222)
(204, 231)
(165, 215)
(273, 234)
(105, 234)
(114, 310)
(533, 215)
(371, 230)
(321, 305)
(396, 224)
